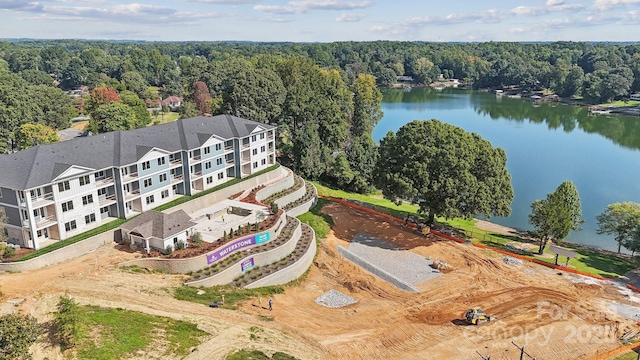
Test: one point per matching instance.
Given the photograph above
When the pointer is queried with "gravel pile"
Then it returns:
(335, 299)
(511, 261)
(383, 258)
(628, 311)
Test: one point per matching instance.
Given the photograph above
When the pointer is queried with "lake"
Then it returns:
(545, 144)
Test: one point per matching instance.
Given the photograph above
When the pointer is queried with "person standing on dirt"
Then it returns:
(270, 304)
(260, 301)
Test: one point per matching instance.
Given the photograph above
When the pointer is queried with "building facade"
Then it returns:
(52, 192)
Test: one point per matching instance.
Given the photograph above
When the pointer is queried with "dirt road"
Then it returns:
(554, 317)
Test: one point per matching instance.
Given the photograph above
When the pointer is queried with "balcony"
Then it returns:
(270, 137)
(104, 181)
(132, 194)
(228, 148)
(177, 178)
(229, 162)
(130, 177)
(175, 162)
(196, 173)
(245, 146)
(196, 157)
(106, 199)
(46, 199)
(46, 221)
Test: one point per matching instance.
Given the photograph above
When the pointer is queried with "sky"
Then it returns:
(323, 20)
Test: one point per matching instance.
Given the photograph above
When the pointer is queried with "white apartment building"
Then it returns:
(52, 192)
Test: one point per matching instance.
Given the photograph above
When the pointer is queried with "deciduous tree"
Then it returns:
(202, 98)
(112, 117)
(35, 134)
(17, 334)
(445, 170)
(622, 220)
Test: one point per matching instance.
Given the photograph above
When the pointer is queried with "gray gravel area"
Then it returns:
(398, 266)
(511, 261)
(628, 311)
(335, 299)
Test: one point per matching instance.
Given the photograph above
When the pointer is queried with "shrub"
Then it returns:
(274, 208)
(67, 320)
(8, 252)
(224, 235)
(197, 239)
(180, 245)
(168, 250)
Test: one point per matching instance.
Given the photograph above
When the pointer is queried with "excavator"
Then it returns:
(476, 316)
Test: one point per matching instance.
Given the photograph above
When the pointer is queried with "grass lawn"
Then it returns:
(588, 261)
(629, 355)
(620, 103)
(166, 118)
(321, 223)
(118, 334)
(231, 294)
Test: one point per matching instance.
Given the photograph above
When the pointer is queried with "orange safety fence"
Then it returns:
(453, 238)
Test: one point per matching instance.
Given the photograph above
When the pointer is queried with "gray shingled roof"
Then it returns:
(39, 165)
(159, 225)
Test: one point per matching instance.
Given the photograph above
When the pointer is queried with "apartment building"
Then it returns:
(52, 192)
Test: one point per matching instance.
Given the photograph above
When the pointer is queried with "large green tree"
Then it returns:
(112, 117)
(17, 334)
(445, 170)
(554, 217)
(621, 220)
(29, 135)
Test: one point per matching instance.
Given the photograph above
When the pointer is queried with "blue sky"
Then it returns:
(323, 20)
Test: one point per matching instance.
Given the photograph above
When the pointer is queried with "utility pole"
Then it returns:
(522, 352)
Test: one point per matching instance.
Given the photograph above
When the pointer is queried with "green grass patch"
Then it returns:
(164, 118)
(117, 334)
(594, 263)
(257, 355)
(622, 104)
(135, 269)
(184, 199)
(321, 223)
(629, 355)
(231, 294)
(74, 239)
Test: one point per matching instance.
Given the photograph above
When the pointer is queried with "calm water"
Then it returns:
(545, 146)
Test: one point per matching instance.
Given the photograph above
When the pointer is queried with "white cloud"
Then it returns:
(347, 17)
(554, 2)
(303, 6)
(20, 5)
(602, 5)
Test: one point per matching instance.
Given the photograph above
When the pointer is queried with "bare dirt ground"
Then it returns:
(553, 317)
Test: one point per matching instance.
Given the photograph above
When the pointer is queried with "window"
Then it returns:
(162, 177)
(87, 199)
(70, 225)
(264, 161)
(263, 148)
(102, 192)
(218, 147)
(99, 175)
(0, 193)
(253, 138)
(148, 182)
(150, 200)
(164, 194)
(219, 161)
(255, 151)
(63, 186)
(67, 206)
(89, 218)
(220, 176)
(262, 136)
(84, 180)
(207, 165)
(209, 180)
(255, 164)
(146, 165)
(104, 210)
(161, 161)
(207, 150)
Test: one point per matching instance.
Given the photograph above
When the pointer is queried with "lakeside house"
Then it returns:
(172, 102)
(55, 191)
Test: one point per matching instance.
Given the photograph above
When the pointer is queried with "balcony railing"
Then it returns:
(196, 157)
(197, 173)
(45, 221)
(132, 194)
(39, 201)
(245, 146)
(104, 181)
(175, 162)
(228, 148)
(177, 178)
(229, 161)
(130, 176)
(106, 199)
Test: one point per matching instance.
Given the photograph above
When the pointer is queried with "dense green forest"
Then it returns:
(323, 96)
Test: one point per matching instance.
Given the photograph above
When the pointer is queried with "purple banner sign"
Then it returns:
(236, 246)
(247, 264)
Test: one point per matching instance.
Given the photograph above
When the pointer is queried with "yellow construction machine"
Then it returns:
(476, 316)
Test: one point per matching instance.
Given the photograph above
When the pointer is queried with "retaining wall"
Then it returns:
(210, 199)
(304, 207)
(66, 253)
(292, 271)
(183, 266)
(289, 198)
(261, 259)
(278, 186)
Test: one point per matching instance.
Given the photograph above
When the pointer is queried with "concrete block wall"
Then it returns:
(292, 271)
(304, 207)
(66, 253)
(210, 199)
(183, 266)
(281, 185)
(289, 198)
(264, 258)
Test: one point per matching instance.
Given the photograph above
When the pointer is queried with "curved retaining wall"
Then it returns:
(304, 207)
(261, 259)
(210, 199)
(66, 253)
(183, 266)
(292, 271)
(289, 198)
(278, 186)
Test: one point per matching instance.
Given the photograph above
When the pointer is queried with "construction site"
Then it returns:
(376, 290)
